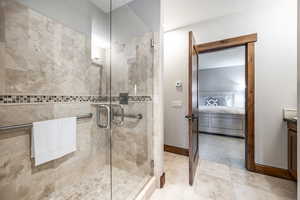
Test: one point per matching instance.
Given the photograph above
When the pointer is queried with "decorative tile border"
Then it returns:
(133, 98)
(26, 99)
(37, 99)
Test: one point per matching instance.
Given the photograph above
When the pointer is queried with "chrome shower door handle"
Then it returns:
(119, 114)
(108, 116)
(122, 115)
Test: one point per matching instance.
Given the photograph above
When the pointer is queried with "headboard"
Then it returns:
(216, 98)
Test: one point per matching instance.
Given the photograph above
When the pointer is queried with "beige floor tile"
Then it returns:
(176, 168)
(191, 194)
(241, 176)
(220, 176)
(244, 192)
(172, 192)
(281, 187)
(276, 186)
(214, 169)
(212, 187)
(178, 192)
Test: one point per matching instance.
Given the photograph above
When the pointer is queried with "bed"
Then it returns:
(221, 119)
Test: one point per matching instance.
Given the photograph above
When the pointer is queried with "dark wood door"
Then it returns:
(192, 116)
(292, 151)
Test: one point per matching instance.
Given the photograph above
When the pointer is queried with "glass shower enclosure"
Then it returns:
(90, 59)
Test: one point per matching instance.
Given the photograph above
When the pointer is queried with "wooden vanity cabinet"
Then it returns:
(292, 149)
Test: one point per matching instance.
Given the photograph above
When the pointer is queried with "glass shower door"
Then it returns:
(54, 60)
(131, 92)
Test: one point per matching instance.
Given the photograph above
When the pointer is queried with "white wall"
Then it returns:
(276, 71)
(175, 63)
(223, 79)
(234, 56)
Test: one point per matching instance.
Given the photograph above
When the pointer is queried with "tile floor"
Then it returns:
(220, 176)
(224, 150)
(125, 186)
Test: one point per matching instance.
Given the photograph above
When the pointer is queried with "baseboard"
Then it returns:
(273, 171)
(177, 150)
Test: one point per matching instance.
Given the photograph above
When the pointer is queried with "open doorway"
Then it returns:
(228, 87)
(222, 86)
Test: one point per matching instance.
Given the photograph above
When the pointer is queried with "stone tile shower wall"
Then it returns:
(132, 66)
(45, 57)
(39, 56)
(19, 179)
(132, 72)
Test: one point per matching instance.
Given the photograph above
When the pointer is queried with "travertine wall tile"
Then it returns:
(132, 72)
(43, 56)
(2, 69)
(2, 46)
(132, 66)
(17, 170)
(130, 143)
(2, 22)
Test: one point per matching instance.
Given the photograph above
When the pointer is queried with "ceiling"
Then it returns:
(222, 58)
(180, 13)
(105, 4)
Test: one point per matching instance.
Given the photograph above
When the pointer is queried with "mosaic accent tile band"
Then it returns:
(36, 99)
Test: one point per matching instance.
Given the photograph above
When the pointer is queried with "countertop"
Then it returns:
(292, 120)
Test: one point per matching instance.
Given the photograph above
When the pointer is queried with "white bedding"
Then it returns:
(222, 109)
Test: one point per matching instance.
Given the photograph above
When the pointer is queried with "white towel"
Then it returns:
(53, 139)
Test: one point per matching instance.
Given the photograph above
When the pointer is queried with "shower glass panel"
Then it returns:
(53, 62)
(134, 29)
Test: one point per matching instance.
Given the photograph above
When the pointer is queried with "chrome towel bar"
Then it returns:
(137, 116)
(19, 126)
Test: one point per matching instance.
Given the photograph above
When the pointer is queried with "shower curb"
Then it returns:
(148, 190)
